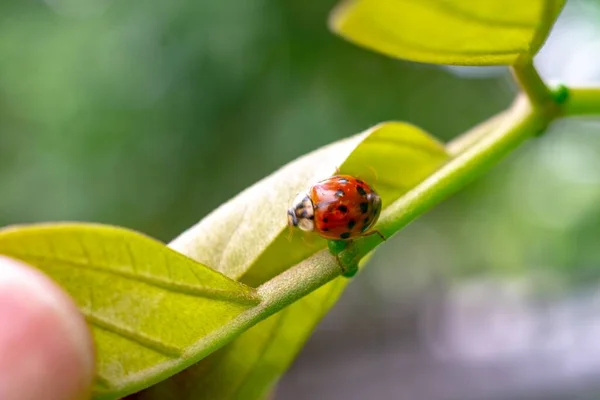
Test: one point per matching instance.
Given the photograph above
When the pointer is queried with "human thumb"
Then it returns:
(45, 346)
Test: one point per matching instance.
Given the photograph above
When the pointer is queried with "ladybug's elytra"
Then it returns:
(341, 207)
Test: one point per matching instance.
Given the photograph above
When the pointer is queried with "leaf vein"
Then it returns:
(176, 287)
(146, 341)
(167, 265)
(132, 259)
(84, 252)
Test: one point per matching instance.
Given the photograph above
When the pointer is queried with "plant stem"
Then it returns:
(532, 85)
(522, 122)
(582, 101)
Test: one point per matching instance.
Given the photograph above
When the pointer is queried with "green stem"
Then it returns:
(522, 122)
(582, 102)
(532, 85)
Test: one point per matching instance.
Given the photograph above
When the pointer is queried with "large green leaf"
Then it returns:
(393, 156)
(149, 307)
(153, 311)
(478, 32)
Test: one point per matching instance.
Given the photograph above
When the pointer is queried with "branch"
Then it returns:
(532, 85)
(521, 122)
(582, 102)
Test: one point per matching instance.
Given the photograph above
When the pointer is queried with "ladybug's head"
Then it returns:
(302, 213)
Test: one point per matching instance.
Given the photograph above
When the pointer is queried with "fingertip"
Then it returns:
(46, 349)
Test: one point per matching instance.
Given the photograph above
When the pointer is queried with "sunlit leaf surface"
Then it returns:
(145, 303)
(482, 32)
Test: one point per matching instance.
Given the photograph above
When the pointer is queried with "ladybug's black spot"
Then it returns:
(361, 191)
(364, 228)
(343, 180)
(339, 193)
(364, 207)
(366, 221)
(359, 182)
(351, 224)
(325, 229)
(343, 209)
(326, 220)
(345, 235)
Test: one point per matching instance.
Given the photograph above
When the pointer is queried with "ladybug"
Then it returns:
(341, 207)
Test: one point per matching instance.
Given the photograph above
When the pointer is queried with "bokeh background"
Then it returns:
(151, 114)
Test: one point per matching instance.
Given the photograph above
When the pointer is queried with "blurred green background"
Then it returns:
(151, 114)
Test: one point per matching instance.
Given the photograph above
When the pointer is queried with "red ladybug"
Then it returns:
(341, 207)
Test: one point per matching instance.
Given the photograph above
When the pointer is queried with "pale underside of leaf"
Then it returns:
(394, 157)
(140, 298)
(251, 229)
(483, 32)
(233, 236)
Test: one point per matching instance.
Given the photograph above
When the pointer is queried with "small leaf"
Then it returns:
(146, 304)
(393, 156)
(482, 32)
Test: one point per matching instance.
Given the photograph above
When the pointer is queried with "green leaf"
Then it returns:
(154, 311)
(248, 239)
(482, 32)
(233, 237)
(150, 308)
(249, 366)
(393, 156)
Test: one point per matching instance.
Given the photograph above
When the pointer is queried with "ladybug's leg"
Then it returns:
(290, 234)
(375, 233)
(336, 247)
(348, 271)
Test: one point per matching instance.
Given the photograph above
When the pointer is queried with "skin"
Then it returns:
(46, 349)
